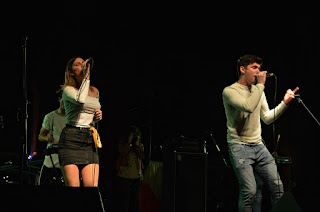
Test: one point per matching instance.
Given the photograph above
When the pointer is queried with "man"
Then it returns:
(245, 104)
(52, 125)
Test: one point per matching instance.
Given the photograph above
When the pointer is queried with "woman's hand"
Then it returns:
(98, 114)
(86, 69)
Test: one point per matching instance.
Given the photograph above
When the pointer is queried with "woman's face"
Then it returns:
(133, 136)
(77, 69)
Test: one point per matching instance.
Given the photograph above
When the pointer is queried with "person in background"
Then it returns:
(129, 171)
(52, 125)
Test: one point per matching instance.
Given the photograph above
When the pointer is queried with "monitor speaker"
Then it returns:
(286, 203)
(184, 181)
(44, 198)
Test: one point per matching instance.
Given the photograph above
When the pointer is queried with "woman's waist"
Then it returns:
(75, 134)
(77, 126)
(80, 120)
(129, 173)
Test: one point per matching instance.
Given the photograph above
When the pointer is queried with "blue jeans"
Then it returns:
(256, 207)
(248, 160)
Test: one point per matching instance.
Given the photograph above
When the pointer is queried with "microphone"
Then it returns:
(90, 61)
(270, 74)
(84, 67)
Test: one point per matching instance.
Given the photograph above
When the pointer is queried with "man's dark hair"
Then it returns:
(246, 60)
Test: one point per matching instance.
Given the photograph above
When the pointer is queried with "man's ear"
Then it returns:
(242, 69)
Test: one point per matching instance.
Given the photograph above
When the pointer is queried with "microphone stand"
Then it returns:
(221, 155)
(298, 97)
(25, 94)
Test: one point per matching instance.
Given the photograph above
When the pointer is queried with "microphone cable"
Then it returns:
(274, 110)
(274, 130)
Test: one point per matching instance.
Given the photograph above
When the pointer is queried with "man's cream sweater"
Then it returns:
(244, 107)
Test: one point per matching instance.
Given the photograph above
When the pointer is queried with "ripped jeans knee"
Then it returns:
(248, 160)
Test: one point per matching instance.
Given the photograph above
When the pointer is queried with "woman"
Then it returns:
(129, 166)
(77, 148)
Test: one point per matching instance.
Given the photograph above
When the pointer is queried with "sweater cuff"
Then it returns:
(260, 85)
(284, 104)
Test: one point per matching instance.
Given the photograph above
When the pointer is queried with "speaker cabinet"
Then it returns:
(184, 181)
(286, 203)
(41, 198)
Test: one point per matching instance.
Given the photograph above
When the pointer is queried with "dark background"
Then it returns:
(164, 66)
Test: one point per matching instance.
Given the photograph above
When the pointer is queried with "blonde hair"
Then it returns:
(68, 79)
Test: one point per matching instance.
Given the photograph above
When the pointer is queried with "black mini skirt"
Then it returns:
(76, 146)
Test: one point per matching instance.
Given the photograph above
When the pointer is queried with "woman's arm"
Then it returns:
(76, 96)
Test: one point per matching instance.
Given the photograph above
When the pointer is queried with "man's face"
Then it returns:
(250, 72)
